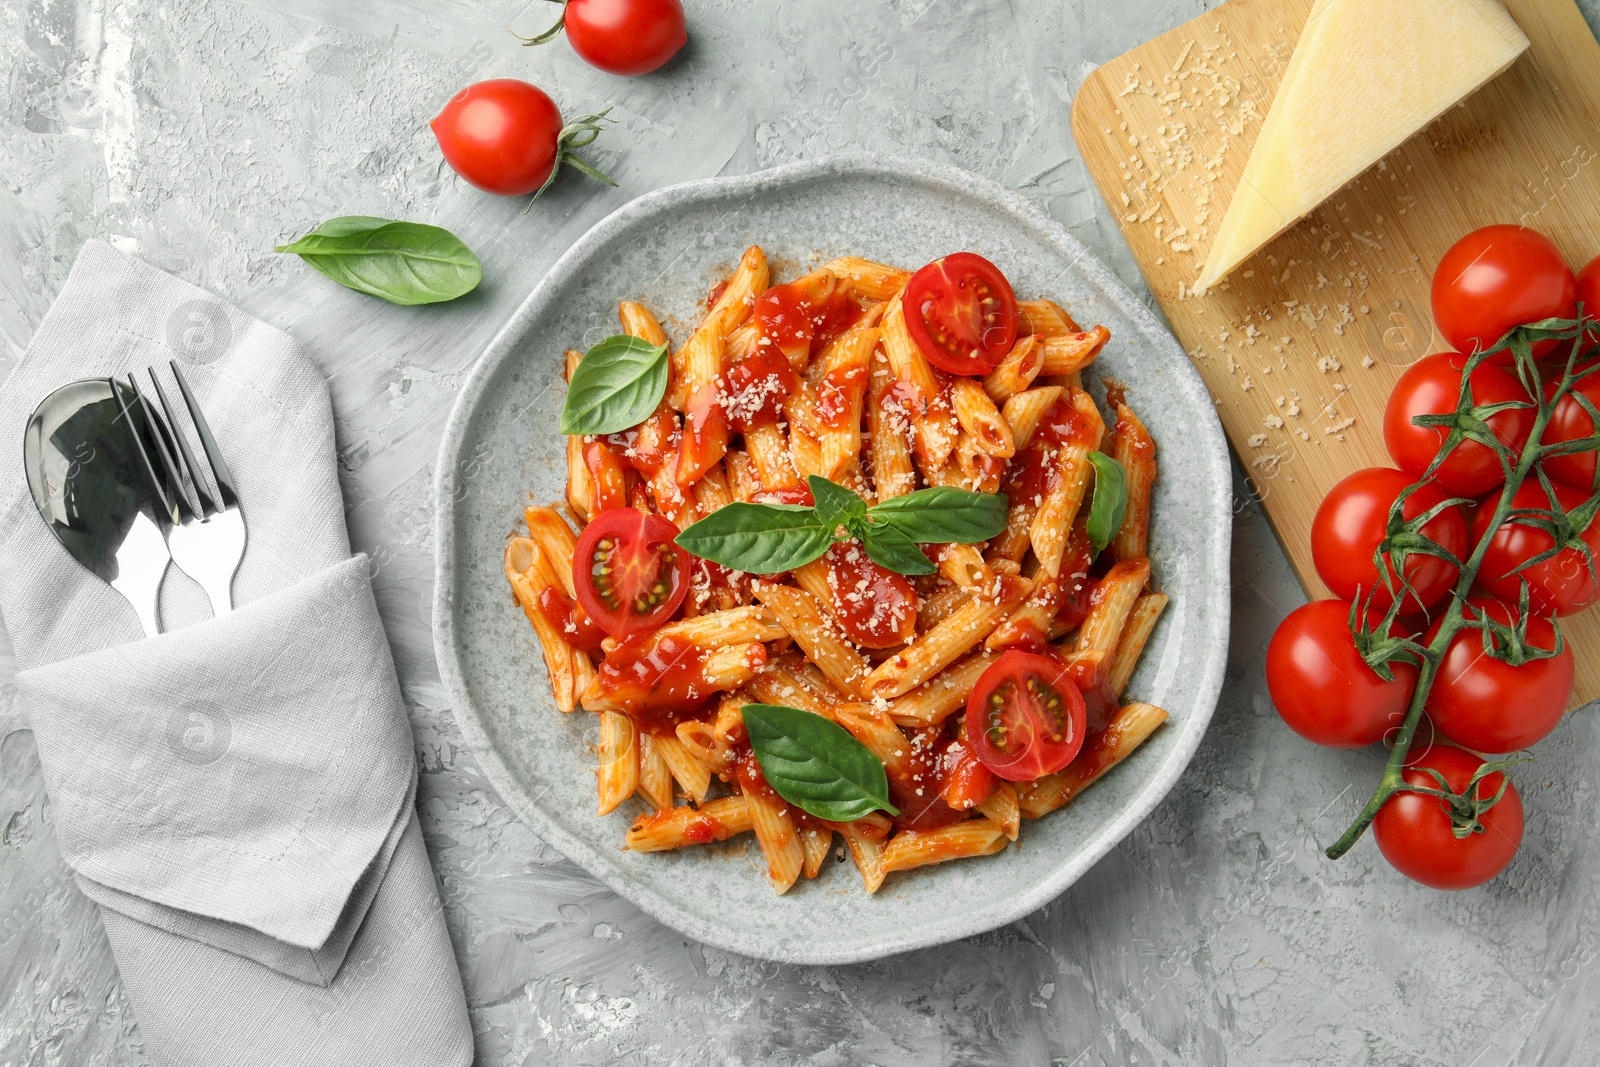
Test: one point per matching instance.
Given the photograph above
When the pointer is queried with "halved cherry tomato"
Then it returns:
(1489, 705)
(962, 314)
(1432, 386)
(876, 607)
(1323, 688)
(1414, 831)
(1496, 279)
(1026, 717)
(629, 574)
(1562, 584)
(1353, 519)
(1569, 421)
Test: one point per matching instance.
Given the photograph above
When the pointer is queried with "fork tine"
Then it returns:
(219, 467)
(209, 505)
(159, 436)
(167, 507)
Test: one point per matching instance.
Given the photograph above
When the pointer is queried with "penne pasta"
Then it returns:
(869, 280)
(1136, 629)
(797, 612)
(638, 321)
(692, 775)
(1132, 446)
(978, 416)
(779, 840)
(866, 848)
(618, 774)
(1128, 729)
(670, 828)
(889, 423)
(655, 778)
(1072, 353)
(1001, 808)
(966, 627)
(815, 841)
(735, 625)
(1023, 411)
(935, 700)
(1044, 318)
(530, 577)
(918, 848)
(1113, 598)
(965, 566)
(1016, 372)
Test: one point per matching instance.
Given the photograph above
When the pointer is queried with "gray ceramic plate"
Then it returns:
(501, 446)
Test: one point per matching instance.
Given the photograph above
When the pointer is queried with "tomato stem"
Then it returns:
(548, 35)
(1393, 781)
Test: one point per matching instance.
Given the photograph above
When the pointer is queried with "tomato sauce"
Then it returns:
(656, 679)
(605, 470)
(1064, 424)
(756, 387)
(715, 293)
(919, 792)
(838, 395)
(876, 607)
(800, 317)
(648, 446)
(569, 620)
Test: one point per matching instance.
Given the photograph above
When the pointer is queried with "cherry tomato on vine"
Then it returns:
(1568, 422)
(1353, 519)
(1497, 278)
(961, 312)
(630, 577)
(1432, 386)
(1414, 830)
(622, 36)
(506, 136)
(1562, 584)
(1490, 705)
(1026, 717)
(1321, 686)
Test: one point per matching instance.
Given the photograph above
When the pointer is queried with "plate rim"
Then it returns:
(747, 941)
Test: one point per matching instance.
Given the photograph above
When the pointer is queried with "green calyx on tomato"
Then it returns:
(505, 136)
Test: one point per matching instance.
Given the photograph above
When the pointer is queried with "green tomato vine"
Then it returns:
(1403, 538)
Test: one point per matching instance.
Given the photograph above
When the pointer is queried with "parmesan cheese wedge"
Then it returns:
(1365, 76)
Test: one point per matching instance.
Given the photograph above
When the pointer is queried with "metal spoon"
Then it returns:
(86, 451)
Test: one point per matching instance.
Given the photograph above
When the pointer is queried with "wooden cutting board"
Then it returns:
(1303, 345)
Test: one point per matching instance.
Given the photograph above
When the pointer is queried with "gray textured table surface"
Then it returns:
(199, 133)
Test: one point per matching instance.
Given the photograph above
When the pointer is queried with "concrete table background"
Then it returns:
(197, 134)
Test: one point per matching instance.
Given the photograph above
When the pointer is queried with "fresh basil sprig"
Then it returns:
(815, 764)
(768, 538)
(618, 384)
(1110, 501)
(405, 263)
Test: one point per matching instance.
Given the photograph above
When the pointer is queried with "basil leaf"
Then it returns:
(618, 384)
(758, 538)
(1110, 501)
(944, 515)
(815, 764)
(836, 505)
(890, 548)
(405, 263)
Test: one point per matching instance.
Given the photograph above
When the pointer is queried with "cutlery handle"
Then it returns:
(141, 564)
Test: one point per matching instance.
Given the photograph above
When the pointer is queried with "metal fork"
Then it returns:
(206, 544)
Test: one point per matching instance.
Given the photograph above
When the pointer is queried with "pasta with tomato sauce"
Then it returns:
(882, 507)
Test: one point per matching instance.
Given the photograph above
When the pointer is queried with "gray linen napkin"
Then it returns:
(237, 793)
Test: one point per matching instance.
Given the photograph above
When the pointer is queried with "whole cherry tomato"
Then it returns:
(1562, 584)
(621, 36)
(1498, 278)
(1432, 386)
(506, 136)
(1353, 519)
(1568, 422)
(1415, 831)
(1589, 295)
(1490, 705)
(1322, 687)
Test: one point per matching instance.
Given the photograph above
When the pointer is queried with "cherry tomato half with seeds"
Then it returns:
(1498, 278)
(1562, 584)
(1323, 688)
(1415, 831)
(1490, 705)
(629, 574)
(625, 37)
(1026, 717)
(1353, 519)
(1432, 386)
(961, 313)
